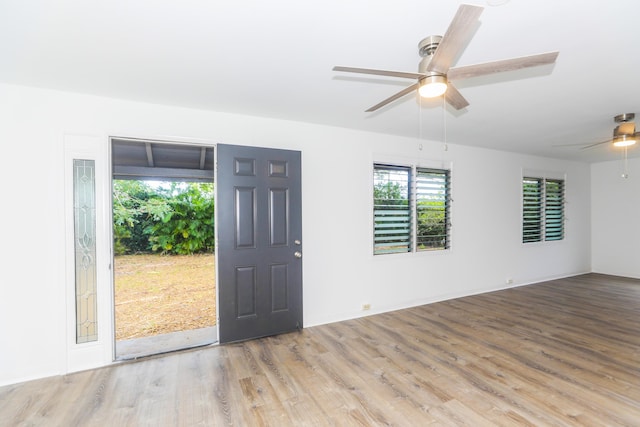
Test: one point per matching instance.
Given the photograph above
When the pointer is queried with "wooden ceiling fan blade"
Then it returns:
(464, 72)
(455, 98)
(595, 144)
(579, 144)
(456, 38)
(392, 98)
(402, 74)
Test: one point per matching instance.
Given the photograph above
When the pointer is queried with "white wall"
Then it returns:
(615, 227)
(340, 272)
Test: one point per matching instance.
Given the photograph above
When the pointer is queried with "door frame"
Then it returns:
(109, 225)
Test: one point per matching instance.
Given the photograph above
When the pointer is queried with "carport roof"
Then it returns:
(157, 160)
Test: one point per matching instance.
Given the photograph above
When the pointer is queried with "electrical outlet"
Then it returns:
(509, 281)
(366, 306)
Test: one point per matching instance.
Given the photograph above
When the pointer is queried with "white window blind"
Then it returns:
(542, 209)
(554, 210)
(391, 209)
(411, 209)
(531, 210)
(432, 209)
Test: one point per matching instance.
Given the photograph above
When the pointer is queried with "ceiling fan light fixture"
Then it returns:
(432, 86)
(624, 140)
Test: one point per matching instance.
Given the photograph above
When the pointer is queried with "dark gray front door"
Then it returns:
(259, 242)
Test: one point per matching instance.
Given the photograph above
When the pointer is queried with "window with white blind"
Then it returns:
(542, 209)
(411, 209)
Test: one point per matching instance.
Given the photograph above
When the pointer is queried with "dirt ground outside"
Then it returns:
(158, 294)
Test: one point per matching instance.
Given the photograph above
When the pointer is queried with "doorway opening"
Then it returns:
(164, 243)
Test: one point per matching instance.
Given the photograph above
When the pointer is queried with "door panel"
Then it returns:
(259, 233)
(245, 221)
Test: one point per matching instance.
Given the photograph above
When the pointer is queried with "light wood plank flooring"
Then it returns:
(558, 353)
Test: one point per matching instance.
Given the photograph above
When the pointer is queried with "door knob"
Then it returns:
(297, 254)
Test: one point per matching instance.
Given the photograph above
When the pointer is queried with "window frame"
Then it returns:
(413, 197)
(548, 223)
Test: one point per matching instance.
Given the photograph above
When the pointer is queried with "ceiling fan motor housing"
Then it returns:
(426, 48)
(626, 126)
(428, 45)
(626, 117)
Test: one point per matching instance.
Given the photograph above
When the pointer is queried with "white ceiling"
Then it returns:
(274, 59)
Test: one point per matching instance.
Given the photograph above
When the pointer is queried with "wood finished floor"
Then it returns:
(559, 353)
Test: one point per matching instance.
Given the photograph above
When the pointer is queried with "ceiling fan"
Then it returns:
(624, 135)
(438, 53)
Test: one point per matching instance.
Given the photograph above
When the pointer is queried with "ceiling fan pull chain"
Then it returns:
(625, 174)
(420, 123)
(444, 123)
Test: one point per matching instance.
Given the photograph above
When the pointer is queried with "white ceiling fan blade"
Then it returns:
(455, 98)
(392, 98)
(402, 74)
(456, 38)
(458, 73)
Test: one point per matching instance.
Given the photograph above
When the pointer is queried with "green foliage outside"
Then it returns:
(176, 218)
(432, 228)
(431, 212)
(390, 193)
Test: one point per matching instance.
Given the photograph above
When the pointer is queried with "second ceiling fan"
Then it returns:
(435, 74)
(624, 135)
